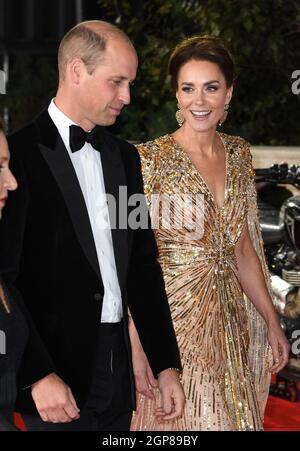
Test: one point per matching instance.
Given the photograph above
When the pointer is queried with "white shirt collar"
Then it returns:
(62, 123)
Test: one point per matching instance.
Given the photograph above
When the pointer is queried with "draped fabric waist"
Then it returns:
(221, 255)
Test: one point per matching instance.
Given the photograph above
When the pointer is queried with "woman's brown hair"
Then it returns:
(2, 125)
(3, 299)
(202, 48)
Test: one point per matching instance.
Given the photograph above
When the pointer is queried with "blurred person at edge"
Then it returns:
(13, 325)
(217, 280)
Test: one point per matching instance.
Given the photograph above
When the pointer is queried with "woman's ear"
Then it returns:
(229, 95)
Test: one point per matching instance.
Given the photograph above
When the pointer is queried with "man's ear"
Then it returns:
(76, 69)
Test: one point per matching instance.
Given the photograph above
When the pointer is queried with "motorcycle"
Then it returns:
(279, 215)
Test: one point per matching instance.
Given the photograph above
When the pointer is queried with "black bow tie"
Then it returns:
(78, 137)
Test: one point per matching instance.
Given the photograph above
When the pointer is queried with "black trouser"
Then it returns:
(108, 406)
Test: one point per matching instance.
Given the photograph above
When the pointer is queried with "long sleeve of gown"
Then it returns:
(259, 349)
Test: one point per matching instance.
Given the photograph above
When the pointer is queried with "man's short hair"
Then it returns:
(88, 45)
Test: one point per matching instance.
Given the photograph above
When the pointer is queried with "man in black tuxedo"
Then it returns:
(77, 275)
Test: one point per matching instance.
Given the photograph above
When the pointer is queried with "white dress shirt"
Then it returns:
(88, 168)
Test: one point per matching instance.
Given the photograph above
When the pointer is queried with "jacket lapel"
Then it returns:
(114, 179)
(56, 156)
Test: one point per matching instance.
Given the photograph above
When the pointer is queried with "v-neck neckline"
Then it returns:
(208, 189)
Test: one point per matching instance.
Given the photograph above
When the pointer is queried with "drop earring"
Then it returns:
(225, 114)
(179, 116)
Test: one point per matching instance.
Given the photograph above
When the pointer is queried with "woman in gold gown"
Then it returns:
(214, 269)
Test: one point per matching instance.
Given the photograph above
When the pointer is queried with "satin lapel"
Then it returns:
(115, 178)
(63, 171)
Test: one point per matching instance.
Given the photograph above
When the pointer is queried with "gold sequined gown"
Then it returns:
(221, 337)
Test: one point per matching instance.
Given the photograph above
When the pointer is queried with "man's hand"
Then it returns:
(173, 398)
(54, 400)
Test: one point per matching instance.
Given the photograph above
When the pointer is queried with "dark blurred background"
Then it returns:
(264, 37)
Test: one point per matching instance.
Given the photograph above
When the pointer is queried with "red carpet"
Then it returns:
(281, 415)
(19, 422)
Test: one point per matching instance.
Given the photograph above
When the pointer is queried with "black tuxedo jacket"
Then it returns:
(47, 253)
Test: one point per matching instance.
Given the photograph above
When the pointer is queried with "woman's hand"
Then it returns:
(172, 396)
(280, 346)
(144, 379)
